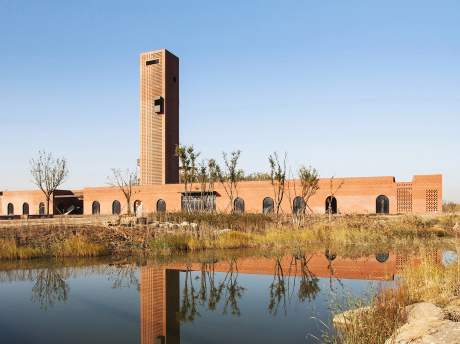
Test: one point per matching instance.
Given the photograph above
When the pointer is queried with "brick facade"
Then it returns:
(159, 168)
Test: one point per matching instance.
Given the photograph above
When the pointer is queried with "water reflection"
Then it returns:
(49, 288)
(180, 295)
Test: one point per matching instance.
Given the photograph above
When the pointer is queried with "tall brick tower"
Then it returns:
(159, 110)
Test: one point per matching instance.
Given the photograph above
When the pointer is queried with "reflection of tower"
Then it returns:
(159, 117)
(159, 305)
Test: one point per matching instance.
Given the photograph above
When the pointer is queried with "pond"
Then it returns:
(243, 297)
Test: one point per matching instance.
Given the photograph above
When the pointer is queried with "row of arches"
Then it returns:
(25, 209)
(268, 205)
(116, 207)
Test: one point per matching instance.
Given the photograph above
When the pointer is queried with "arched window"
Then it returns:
(116, 208)
(297, 205)
(239, 205)
(138, 207)
(41, 208)
(382, 257)
(382, 205)
(60, 209)
(332, 203)
(25, 209)
(268, 205)
(96, 208)
(161, 206)
(10, 209)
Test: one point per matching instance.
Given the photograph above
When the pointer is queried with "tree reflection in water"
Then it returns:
(228, 288)
(124, 277)
(280, 289)
(48, 288)
(308, 286)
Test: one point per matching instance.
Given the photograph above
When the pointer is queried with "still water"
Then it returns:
(243, 298)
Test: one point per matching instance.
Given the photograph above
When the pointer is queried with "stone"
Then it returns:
(222, 231)
(426, 324)
(344, 319)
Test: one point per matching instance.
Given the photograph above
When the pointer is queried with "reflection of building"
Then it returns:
(159, 305)
(159, 169)
(160, 294)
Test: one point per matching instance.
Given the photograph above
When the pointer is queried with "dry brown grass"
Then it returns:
(369, 320)
(74, 247)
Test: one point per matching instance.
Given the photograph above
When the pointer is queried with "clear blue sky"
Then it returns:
(353, 88)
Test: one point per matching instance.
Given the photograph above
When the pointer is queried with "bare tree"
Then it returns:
(309, 184)
(202, 179)
(277, 178)
(230, 176)
(213, 171)
(187, 158)
(48, 174)
(332, 196)
(125, 181)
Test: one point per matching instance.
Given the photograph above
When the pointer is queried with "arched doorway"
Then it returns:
(332, 203)
(382, 205)
(268, 205)
(96, 208)
(161, 206)
(138, 208)
(10, 209)
(382, 257)
(116, 207)
(41, 208)
(239, 205)
(25, 209)
(297, 205)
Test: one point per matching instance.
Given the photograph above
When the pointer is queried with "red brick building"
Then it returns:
(159, 188)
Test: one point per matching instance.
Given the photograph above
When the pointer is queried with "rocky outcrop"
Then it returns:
(428, 324)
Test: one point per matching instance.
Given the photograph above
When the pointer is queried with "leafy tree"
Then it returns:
(125, 181)
(48, 174)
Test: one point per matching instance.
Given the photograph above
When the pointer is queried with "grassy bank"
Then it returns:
(264, 231)
(88, 237)
(70, 247)
(375, 317)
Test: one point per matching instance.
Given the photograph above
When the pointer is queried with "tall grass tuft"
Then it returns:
(371, 319)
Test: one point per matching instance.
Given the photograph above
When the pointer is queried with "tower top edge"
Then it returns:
(158, 51)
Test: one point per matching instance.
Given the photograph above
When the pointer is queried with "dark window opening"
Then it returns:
(331, 203)
(151, 62)
(96, 208)
(268, 205)
(10, 209)
(174, 79)
(41, 208)
(116, 208)
(298, 205)
(382, 257)
(239, 205)
(157, 101)
(161, 206)
(25, 209)
(382, 205)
